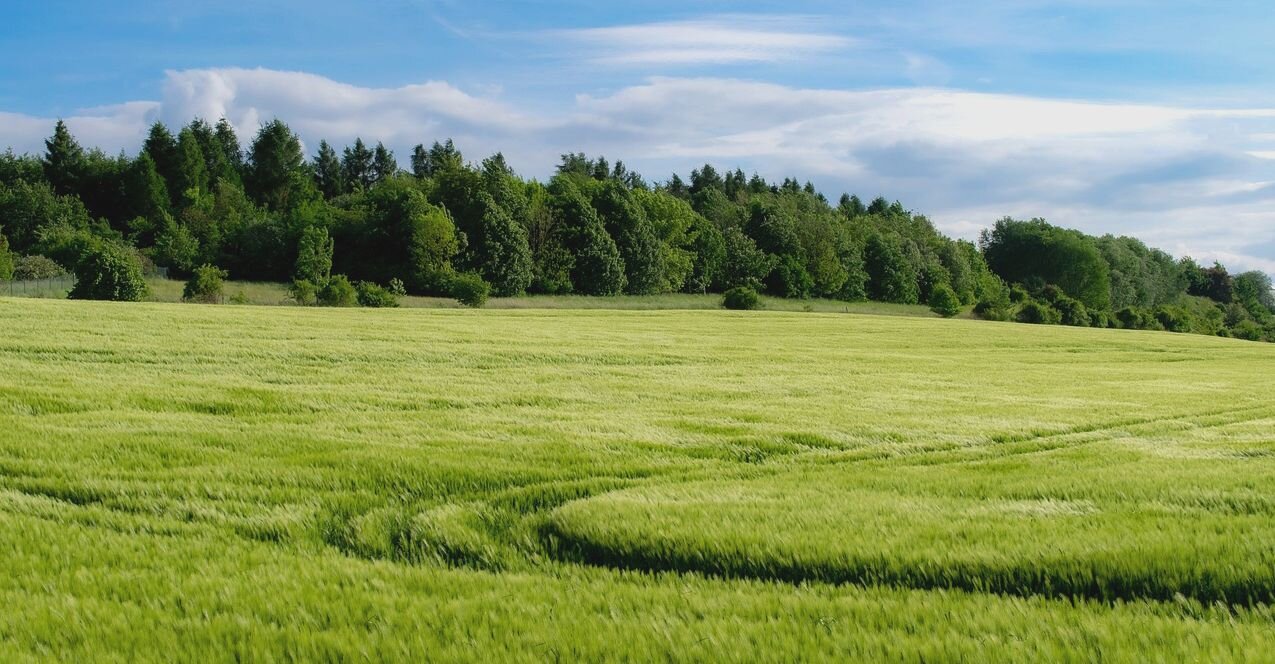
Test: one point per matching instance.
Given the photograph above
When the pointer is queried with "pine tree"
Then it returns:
(63, 160)
(275, 167)
(217, 163)
(383, 164)
(420, 161)
(192, 171)
(230, 148)
(144, 190)
(162, 149)
(356, 166)
(327, 172)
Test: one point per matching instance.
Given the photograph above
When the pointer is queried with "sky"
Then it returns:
(1147, 118)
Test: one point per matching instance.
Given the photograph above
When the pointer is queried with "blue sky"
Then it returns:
(1149, 118)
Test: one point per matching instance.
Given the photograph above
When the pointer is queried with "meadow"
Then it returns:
(284, 483)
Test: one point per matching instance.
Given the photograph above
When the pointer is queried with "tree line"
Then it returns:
(356, 227)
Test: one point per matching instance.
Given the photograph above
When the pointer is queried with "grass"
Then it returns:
(274, 294)
(187, 482)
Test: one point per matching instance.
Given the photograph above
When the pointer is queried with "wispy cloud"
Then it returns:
(715, 40)
(1190, 180)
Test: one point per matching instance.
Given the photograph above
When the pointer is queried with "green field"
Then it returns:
(265, 483)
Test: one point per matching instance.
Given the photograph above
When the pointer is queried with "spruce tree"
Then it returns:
(275, 166)
(327, 172)
(383, 164)
(192, 171)
(356, 166)
(63, 161)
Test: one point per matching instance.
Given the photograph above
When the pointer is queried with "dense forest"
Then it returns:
(356, 227)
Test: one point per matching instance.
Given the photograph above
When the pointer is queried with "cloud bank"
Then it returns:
(1190, 180)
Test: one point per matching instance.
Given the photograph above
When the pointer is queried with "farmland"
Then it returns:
(178, 481)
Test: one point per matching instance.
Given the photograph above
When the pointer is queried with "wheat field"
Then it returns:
(283, 483)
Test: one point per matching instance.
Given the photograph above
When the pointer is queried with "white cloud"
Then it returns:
(717, 40)
(1184, 179)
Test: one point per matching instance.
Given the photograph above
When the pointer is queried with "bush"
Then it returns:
(1018, 294)
(397, 287)
(1130, 318)
(741, 298)
(338, 292)
(205, 285)
(470, 290)
(304, 292)
(1100, 319)
(1247, 329)
(28, 268)
(943, 301)
(1071, 312)
(239, 297)
(109, 272)
(372, 295)
(1174, 319)
(1038, 314)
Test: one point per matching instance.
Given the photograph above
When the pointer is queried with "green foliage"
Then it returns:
(304, 292)
(502, 253)
(891, 278)
(28, 210)
(337, 292)
(1021, 250)
(6, 258)
(205, 285)
(944, 302)
(275, 176)
(314, 255)
(328, 175)
(36, 267)
(741, 298)
(469, 289)
(64, 162)
(373, 295)
(109, 272)
(356, 166)
(596, 265)
(1071, 311)
(745, 264)
(176, 248)
(1038, 313)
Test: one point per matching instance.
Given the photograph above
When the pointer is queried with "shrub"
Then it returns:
(338, 292)
(372, 295)
(1018, 294)
(1174, 319)
(470, 290)
(239, 297)
(109, 272)
(1038, 313)
(205, 285)
(1100, 319)
(943, 301)
(741, 298)
(1071, 312)
(27, 268)
(1130, 318)
(304, 292)
(1247, 329)
(397, 287)
(994, 305)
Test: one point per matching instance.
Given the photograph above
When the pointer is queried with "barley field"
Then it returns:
(232, 483)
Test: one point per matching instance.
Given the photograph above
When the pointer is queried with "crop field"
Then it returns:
(285, 483)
